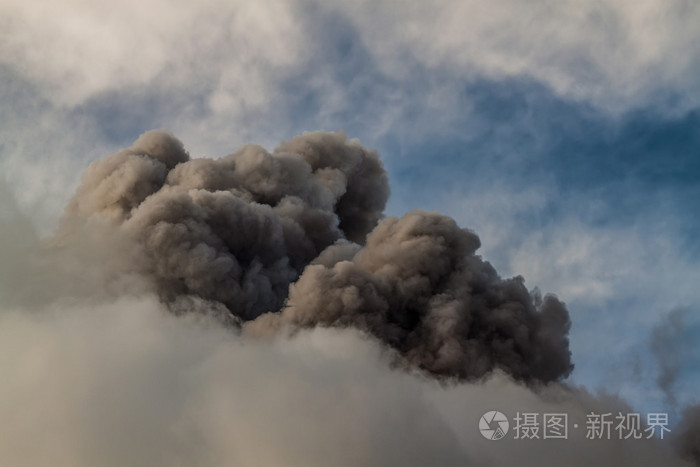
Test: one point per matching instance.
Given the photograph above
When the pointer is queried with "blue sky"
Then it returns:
(566, 135)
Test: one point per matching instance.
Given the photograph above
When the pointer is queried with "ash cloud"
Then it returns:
(418, 286)
(105, 364)
(126, 383)
(236, 230)
(295, 238)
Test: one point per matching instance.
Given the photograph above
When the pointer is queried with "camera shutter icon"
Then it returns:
(493, 425)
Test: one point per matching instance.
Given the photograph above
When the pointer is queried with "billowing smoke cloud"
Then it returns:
(279, 238)
(419, 287)
(236, 230)
(105, 364)
(126, 384)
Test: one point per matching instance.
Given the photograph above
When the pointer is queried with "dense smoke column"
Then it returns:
(418, 286)
(293, 238)
(236, 230)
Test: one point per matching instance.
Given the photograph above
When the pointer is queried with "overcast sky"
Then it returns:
(566, 134)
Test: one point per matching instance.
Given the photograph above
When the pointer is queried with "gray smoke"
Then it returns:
(418, 286)
(100, 371)
(236, 230)
(671, 344)
(293, 239)
(688, 437)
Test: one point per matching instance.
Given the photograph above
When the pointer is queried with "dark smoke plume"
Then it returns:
(418, 286)
(688, 438)
(294, 238)
(236, 230)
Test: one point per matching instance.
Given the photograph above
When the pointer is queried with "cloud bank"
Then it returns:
(614, 55)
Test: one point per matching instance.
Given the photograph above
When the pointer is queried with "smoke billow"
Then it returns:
(127, 384)
(418, 286)
(236, 230)
(114, 352)
(295, 238)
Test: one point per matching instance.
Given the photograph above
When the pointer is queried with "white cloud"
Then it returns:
(589, 265)
(78, 48)
(614, 55)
